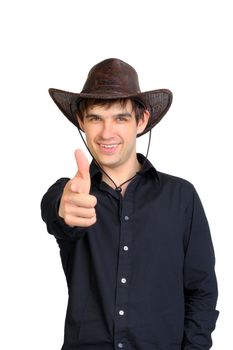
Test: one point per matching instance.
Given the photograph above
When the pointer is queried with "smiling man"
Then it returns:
(111, 130)
(134, 242)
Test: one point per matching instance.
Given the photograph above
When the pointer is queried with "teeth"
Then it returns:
(109, 146)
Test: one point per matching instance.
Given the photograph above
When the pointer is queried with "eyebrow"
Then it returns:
(126, 114)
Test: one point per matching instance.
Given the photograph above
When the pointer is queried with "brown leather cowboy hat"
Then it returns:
(114, 79)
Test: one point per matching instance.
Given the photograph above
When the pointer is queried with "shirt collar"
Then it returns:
(147, 167)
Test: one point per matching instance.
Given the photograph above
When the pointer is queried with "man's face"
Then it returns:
(111, 133)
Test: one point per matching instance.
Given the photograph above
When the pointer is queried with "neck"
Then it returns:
(121, 174)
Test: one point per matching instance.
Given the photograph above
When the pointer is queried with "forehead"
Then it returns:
(116, 107)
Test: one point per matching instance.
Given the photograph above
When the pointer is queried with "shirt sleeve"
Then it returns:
(200, 285)
(56, 226)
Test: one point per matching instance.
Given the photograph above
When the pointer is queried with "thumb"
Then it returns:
(82, 164)
(83, 176)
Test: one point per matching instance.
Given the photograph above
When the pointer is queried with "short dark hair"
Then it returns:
(83, 105)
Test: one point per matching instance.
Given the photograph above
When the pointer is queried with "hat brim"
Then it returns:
(157, 102)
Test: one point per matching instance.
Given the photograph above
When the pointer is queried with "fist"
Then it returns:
(77, 206)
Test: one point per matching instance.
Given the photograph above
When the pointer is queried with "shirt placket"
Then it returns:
(123, 274)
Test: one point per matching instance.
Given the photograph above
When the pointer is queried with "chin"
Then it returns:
(109, 164)
(108, 161)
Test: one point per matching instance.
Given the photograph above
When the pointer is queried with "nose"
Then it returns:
(107, 129)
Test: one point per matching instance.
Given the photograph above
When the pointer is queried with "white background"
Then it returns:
(182, 45)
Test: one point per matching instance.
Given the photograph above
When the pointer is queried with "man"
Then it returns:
(134, 242)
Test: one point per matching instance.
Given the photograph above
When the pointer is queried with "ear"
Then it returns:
(142, 123)
(80, 122)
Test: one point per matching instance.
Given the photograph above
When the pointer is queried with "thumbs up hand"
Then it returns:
(77, 206)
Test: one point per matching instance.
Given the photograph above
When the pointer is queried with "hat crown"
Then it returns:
(112, 76)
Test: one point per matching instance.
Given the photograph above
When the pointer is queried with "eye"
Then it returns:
(121, 119)
(94, 118)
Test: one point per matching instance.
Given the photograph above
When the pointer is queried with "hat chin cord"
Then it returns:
(117, 188)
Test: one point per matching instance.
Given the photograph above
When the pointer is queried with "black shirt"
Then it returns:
(142, 277)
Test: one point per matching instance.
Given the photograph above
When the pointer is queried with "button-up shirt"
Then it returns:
(142, 277)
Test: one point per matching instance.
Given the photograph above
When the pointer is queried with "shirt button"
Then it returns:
(123, 280)
(126, 248)
(121, 312)
(120, 345)
(126, 218)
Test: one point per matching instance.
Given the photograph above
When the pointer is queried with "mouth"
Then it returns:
(108, 148)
